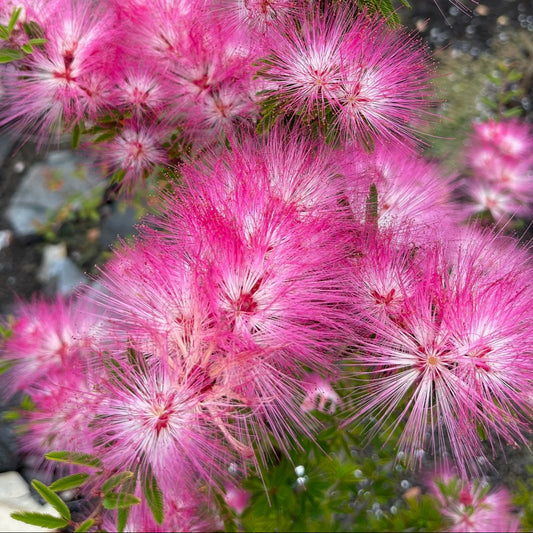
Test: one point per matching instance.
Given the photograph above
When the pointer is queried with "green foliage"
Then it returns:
(40, 519)
(69, 482)
(153, 496)
(52, 498)
(337, 483)
(120, 500)
(75, 458)
(85, 526)
(13, 51)
(116, 480)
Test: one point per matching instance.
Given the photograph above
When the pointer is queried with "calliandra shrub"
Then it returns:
(300, 242)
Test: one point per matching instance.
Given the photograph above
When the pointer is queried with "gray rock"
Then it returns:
(63, 177)
(118, 223)
(58, 272)
(6, 145)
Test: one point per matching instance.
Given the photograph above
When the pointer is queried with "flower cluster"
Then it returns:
(472, 507)
(500, 159)
(320, 247)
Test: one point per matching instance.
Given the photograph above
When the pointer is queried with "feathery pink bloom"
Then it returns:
(500, 158)
(352, 72)
(320, 395)
(471, 506)
(237, 499)
(48, 337)
(456, 358)
(62, 409)
(158, 415)
(65, 79)
(135, 151)
(413, 197)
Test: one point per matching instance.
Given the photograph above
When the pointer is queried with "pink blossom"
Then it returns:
(457, 356)
(135, 151)
(237, 499)
(413, 196)
(65, 79)
(471, 506)
(350, 72)
(48, 338)
(320, 395)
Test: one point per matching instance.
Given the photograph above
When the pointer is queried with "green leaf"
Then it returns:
(37, 41)
(69, 482)
(76, 134)
(52, 498)
(7, 55)
(118, 176)
(75, 458)
(106, 136)
(120, 500)
(489, 103)
(514, 112)
(40, 519)
(153, 496)
(116, 480)
(122, 518)
(33, 31)
(372, 204)
(85, 526)
(27, 48)
(5, 366)
(4, 35)
(13, 20)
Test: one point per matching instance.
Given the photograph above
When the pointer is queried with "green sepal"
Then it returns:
(69, 482)
(85, 526)
(40, 519)
(52, 498)
(120, 500)
(116, 480)
(75, 458)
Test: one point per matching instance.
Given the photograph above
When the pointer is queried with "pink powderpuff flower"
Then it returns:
(158, 414)
(254, 16)
(512, 138)
(471, 506)
(237, 499)
(65, 79)
(134, 152)
(320, 395)
(352, 73)
(488, 198)
(413, 197)
(288, 174)
(48, 337)
(455, 360)
(62, 409)
(385, 273)
(500, 160)
(141, 90)
(189, 513)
